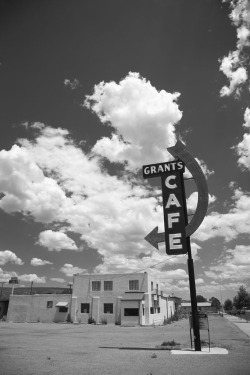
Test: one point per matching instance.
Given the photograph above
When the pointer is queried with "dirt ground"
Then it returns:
(38, 348)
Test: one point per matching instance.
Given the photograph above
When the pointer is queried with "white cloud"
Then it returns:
(56, 241)
(229, 225)
(243, 147)
(121, 263)
(8, 256)
(233, 64)
(57, 279)
(243, 150)
(69, 270)
(25, 187)
(193, 200)
(32, 277)
(234, 266)
(6, 275)
(247, 118)
(39, 262)
(72, 84)
(143, 120)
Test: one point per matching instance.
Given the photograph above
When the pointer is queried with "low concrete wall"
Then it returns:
(34, 308)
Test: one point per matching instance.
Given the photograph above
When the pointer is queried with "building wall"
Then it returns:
(33, 308)
(83, 293)
(150, 312)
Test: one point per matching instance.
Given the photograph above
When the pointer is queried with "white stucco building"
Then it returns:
(124, 299)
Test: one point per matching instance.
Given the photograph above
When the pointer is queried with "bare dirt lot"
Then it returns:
(38, 348)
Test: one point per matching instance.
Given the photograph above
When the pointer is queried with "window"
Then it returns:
(96, 286)
(159, 310)
(133, 284)
(85, 308)
(108, 308)
(152, 285)
(63, 309)
(151, 310)
(131, 312)
(108, 285)
(49, 304)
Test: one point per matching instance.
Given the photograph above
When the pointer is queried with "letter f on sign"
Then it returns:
(173, 218)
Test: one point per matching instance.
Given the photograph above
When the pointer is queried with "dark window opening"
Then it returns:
(85, 308)
(133, 284)
(108, 285)
(63, 309)
(131, 312)
(49, 304)
(108, 308)
(96, 286)
(151, 310)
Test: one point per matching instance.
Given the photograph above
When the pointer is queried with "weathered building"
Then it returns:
(126, 299)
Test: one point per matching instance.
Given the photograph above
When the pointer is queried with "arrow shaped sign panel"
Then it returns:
(174, 202)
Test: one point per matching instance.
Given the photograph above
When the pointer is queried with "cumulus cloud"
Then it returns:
(115, 222)
(142, 119)
(72, 84)
(57, 279)
(243, 150)
(234, 266)
(234, 65)
(69, 270)
(193, 200)
(39, 262)
(228, 225)
(56, 241)
(6, 275)
(8, 256)
(32, 277)
(243, 147)
(25, 188)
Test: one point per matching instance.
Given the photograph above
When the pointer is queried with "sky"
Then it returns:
(90, 92)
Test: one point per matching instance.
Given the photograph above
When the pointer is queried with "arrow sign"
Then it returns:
(154, 237)
(172, 218)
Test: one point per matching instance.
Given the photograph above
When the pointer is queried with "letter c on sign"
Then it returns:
(173, 177)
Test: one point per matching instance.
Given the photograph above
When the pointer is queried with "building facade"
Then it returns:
(126, 299)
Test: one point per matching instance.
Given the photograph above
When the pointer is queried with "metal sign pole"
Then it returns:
(197, 340)
(192, 287)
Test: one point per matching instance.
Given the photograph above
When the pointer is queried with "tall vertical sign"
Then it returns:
(177, 229)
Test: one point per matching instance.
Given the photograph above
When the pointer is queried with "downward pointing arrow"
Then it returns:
(154, 237)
